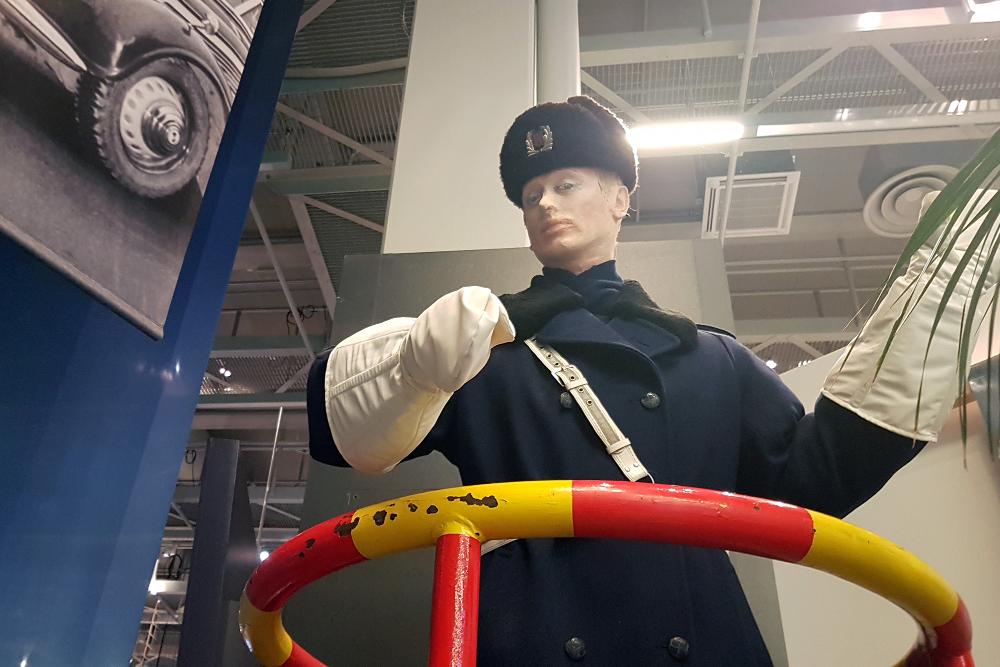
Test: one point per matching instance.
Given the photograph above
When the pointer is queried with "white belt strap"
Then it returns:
(574, 382)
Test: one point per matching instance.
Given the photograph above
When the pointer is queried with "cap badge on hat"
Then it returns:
(538, 140)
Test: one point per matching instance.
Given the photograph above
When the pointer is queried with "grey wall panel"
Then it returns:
(379, 612)
(688, 276)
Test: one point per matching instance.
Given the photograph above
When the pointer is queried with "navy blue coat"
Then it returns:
(724, 421)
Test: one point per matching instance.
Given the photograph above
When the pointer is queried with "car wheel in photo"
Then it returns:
(150, 128)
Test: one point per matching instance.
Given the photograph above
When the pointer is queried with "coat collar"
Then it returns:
(541, 309)
(581, 327)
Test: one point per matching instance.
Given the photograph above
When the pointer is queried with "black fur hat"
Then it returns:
(576, 133)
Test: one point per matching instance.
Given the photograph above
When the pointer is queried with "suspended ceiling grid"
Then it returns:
(354, 32)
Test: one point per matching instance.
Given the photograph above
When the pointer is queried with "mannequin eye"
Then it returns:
(532, 198)
(565, 186)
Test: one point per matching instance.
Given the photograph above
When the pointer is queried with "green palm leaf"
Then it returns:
(955, 211)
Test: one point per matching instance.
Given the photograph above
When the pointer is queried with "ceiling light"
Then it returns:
(983, 12)
(692, 133)
(958, 107)
(264, 554)
(869, 21)
(222, 370)
(227, 372)
(771, 363)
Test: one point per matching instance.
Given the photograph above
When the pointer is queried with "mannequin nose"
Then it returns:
(547, 202)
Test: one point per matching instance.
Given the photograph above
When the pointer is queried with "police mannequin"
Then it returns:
(699, 408)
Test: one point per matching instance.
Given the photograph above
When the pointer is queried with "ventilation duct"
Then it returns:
(763, 196)
(895, 178)
(762, 204)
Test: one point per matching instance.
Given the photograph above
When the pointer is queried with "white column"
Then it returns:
(558, 50)
(471, 71)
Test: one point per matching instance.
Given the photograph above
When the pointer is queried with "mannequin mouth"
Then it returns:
(556, 226)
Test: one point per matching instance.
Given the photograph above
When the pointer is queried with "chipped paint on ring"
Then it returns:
(679, 515)
(486, 512)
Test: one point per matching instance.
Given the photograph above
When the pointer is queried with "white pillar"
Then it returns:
(558, 50)
(471, 71)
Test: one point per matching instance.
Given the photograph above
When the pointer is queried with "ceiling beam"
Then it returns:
(276, 265)
(813, 329)
(262, 346)
(374, 67)
(910, 25)
(230, 412)
(301, 446)
(315, 84)
(797, 78)
(331, 133)
(296, 376)
(311, 14)
(367, 178)
(906, 68)
(346, 215)
(316, 259)
(279, 495)
(290, 401)
(279, 511)
(619, 102)
(914, 135)
(805, 347)
(183, 534)
(356, 178)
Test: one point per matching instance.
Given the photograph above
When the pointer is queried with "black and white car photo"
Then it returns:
(110, 117)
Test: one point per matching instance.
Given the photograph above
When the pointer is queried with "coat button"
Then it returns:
(650, 401)
(678, 648)
(575, 648)
(565, 400)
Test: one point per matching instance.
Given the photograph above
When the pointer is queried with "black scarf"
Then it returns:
(531, 309)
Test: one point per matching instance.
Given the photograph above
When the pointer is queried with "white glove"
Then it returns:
(387, 384)
(890, 399)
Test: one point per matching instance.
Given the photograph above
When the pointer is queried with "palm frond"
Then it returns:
(958, 215)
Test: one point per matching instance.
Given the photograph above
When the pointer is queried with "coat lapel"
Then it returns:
(645, 336)
(581, 327)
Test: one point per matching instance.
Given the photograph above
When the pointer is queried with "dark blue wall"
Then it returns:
(95, 416)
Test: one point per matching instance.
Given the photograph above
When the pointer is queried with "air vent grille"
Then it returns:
(762, 204)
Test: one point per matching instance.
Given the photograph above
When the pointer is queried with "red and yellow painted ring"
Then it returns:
(615, 510)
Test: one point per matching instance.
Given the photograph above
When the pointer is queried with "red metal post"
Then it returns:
(455, 607)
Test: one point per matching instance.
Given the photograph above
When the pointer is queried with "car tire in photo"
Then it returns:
(150, 128)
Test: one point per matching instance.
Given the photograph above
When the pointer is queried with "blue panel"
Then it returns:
(95, 416)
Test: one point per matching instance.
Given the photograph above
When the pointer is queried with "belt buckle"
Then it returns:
(568, 368)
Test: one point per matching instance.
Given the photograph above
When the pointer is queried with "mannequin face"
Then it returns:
(573, 217)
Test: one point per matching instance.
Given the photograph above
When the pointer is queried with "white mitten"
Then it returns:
(387, 384)
(890, 398)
